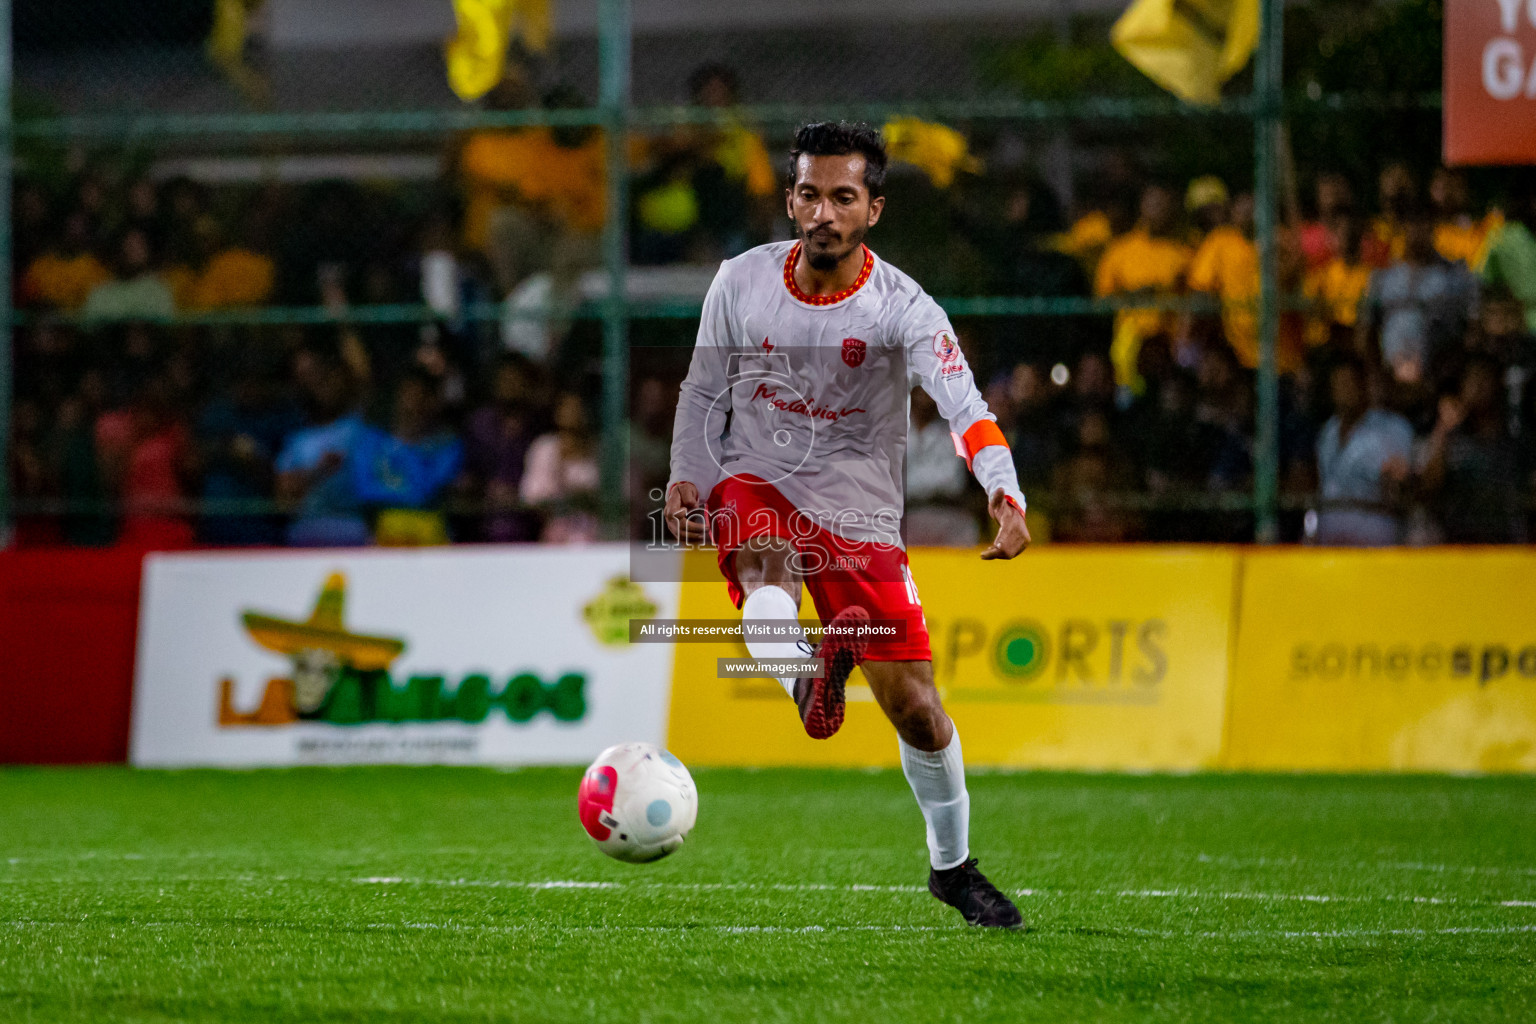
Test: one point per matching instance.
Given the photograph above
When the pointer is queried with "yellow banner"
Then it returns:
(1397, 661)
(1096, 658)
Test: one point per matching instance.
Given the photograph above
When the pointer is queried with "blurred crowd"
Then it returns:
(129, 428)
(1406, 352)
(1407, 344)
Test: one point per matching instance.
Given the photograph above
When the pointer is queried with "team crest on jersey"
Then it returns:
(945, 348)
(853, 352)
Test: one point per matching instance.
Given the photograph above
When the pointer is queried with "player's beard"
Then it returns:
(825, 256)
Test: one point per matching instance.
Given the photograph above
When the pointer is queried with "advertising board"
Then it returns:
(1386, 661)
(472, 655)
(1085, 658)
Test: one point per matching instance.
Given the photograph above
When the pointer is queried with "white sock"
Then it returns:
(773, 602)
(938, 781)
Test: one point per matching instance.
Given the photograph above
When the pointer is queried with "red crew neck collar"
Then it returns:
(834, 298)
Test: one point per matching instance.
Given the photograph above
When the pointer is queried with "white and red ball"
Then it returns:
(637, 802)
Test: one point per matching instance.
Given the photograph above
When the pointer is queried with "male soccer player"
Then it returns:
(787, 452)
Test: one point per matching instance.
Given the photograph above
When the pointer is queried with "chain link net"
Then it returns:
(240, 263)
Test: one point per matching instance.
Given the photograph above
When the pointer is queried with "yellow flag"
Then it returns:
(1189, 47)
(477, 56)
(938, 150)
(225, 46)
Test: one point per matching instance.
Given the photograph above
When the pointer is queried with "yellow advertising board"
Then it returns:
(1085, 658)
(1386, 661)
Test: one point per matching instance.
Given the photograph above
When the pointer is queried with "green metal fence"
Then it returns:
(1264, 108)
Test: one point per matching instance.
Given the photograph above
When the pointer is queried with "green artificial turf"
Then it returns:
(433, 894)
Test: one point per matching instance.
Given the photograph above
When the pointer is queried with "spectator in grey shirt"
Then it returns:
(1417, 308)
(1362, 461)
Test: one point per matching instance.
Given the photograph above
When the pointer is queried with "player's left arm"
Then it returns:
(935, 362)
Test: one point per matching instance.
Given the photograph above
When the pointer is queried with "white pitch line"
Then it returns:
(160, 879)
(724, 929)
(492, 883)
(241, 853)
(1300, 897)
(1343, 933)
(489, 883)
(1455, 869)
(1203, 858)
(822, 887)
(579, 884)
(1296, 862)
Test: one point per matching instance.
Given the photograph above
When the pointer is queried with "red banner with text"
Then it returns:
(1490, 81)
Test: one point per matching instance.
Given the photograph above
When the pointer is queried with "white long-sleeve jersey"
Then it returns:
(810, 393)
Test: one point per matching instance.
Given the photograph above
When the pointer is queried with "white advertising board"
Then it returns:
(469, 655)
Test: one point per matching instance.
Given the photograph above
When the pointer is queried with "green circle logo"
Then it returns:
(1021, 651)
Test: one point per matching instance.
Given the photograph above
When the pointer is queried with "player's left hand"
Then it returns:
(1012, 535)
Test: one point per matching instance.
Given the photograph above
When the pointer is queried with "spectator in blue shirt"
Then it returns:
(405, 472)
(1362, 461)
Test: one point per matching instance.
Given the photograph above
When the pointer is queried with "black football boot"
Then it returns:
(979, 901)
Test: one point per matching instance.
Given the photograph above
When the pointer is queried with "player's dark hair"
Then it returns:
(841, 138)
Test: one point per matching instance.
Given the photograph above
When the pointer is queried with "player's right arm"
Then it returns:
(702, 406)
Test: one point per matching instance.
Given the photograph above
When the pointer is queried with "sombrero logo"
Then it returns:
(341, 676)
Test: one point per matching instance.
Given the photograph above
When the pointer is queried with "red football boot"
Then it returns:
(821, 701)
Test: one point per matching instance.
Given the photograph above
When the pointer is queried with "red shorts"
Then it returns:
(847, 572)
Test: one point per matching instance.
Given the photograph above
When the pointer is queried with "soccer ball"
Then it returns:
(637, 802)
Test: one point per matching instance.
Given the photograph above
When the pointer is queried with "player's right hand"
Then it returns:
(1012, 533)
(682, 499)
